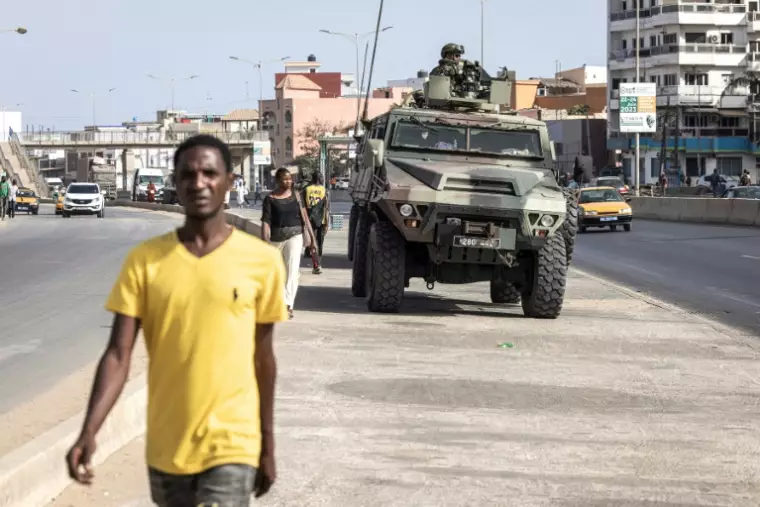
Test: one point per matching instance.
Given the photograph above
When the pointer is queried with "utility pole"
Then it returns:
(482, 32)
(93, 98)
(699, 120)
(171, 83)
(637, 136)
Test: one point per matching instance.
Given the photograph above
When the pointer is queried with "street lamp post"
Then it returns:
(93, 97)
(637, 137)
(3, 109)
(258, 65)
(482, 32)
(19, 30)
(171, 83)
(354, 38)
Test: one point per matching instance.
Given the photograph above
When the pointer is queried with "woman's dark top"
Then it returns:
(283, 217)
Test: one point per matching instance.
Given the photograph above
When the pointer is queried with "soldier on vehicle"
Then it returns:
(449, 64)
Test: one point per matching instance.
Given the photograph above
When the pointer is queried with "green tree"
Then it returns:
(308, 144)
(749, 81)
(578, 110)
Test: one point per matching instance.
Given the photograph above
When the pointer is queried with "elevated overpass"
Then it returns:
(104, 140)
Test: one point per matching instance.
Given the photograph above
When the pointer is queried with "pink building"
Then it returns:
(297, 105)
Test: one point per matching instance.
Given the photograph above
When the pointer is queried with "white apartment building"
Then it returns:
(691, 50)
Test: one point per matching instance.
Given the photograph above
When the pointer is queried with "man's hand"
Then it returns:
(265, 476)
(79, 460)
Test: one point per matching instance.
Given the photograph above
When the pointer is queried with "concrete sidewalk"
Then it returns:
(620, 402)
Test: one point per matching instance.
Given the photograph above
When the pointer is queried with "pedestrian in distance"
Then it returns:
(315, 197)
(12, 199)
(285, 225)
(207, 297)
(5, 190)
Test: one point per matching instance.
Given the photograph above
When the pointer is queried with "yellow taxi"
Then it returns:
(603, 207)
(59, 201)
(27, 200)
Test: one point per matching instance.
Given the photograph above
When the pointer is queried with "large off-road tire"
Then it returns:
(352, 217)
(569, 229)
(504, 293)
(361, 245)
(386, 268)
(544, 295)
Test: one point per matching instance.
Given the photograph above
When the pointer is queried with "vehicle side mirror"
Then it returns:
(375, 155)
(627, 199)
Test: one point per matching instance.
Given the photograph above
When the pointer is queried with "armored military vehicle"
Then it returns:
(453, 187)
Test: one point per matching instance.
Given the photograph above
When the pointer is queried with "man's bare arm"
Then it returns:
(266, 374)
(112, 373)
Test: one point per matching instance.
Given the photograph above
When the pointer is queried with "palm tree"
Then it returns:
(750, 80)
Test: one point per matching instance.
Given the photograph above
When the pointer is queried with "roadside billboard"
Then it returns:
(262, 153)
(638, 107)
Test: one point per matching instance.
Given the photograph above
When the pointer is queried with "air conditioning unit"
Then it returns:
(713, 39)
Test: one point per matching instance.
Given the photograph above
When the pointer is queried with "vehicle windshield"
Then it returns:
(746, 192)
(22, 192)
(421, 136)
(156, 180)
(83, 189)
(600, 195)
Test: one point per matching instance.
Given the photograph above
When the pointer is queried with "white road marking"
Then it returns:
(751, 257)
(14, 350)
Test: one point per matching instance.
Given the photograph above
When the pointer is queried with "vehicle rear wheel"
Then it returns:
(544, 294)
(351, 228)
(569, 227)
(386, 268)
(359, 267)
(627, 227)
(504, 293)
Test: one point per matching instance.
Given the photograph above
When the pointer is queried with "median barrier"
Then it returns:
(698, 210)
(34, 474)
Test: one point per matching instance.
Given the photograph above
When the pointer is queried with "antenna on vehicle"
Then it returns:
(372, 64)
(361, 87)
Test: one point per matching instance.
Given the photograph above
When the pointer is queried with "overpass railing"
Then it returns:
(126, 139)
(27, 165)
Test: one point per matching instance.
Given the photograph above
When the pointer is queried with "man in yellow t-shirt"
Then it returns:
(318, 210)
(207, 297)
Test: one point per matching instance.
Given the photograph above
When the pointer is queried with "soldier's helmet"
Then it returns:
(452, 48)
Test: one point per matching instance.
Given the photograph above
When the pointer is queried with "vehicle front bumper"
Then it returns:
(25, 206)
(82, 208)
(604, 220)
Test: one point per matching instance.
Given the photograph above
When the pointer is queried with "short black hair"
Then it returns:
(316, 177)
(207, 141)
(281, 171)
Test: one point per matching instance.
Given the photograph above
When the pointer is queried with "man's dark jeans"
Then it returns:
(12, 209)
(3, 207)
(222, 486)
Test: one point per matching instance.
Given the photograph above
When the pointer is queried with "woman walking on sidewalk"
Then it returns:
(285, 225)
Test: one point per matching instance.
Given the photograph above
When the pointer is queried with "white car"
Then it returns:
(84, 199)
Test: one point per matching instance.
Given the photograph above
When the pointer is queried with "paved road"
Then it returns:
(617, 403)
(713, 270)
(55, 274)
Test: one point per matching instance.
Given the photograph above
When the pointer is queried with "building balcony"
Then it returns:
(722, 55)
(693, 96)
(753, 22)
(675, 12)
(704, 145)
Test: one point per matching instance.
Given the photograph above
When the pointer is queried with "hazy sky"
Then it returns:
(94, 45)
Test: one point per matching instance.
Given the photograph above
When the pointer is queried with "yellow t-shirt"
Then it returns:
(198, 317)
(314, 194)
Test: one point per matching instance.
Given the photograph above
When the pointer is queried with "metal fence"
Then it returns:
(122, 138)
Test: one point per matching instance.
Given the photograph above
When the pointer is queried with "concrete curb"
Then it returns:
(34, 474)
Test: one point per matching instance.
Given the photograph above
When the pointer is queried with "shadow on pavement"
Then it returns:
(329, 299)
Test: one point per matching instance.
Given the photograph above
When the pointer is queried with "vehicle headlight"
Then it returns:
(592, 212)
(547, 220)
(625, 210)
(67, 199)
(406, 210)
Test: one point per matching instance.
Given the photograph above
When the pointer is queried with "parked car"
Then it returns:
(611, 181)
(748, 192)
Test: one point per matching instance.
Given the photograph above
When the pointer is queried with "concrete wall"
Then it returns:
(698, 209)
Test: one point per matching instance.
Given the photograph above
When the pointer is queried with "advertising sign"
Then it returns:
(262, 153)
(638, 107)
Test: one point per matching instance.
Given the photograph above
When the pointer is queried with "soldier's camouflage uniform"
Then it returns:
(446, 67)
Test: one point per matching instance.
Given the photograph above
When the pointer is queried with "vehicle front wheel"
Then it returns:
(544, 293)
(102, 213)
(627, 227)
(386, 269)
(569, 227)
(504, 293)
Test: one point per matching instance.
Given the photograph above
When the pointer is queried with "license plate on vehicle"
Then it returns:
(470, 242)
(608, 219)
